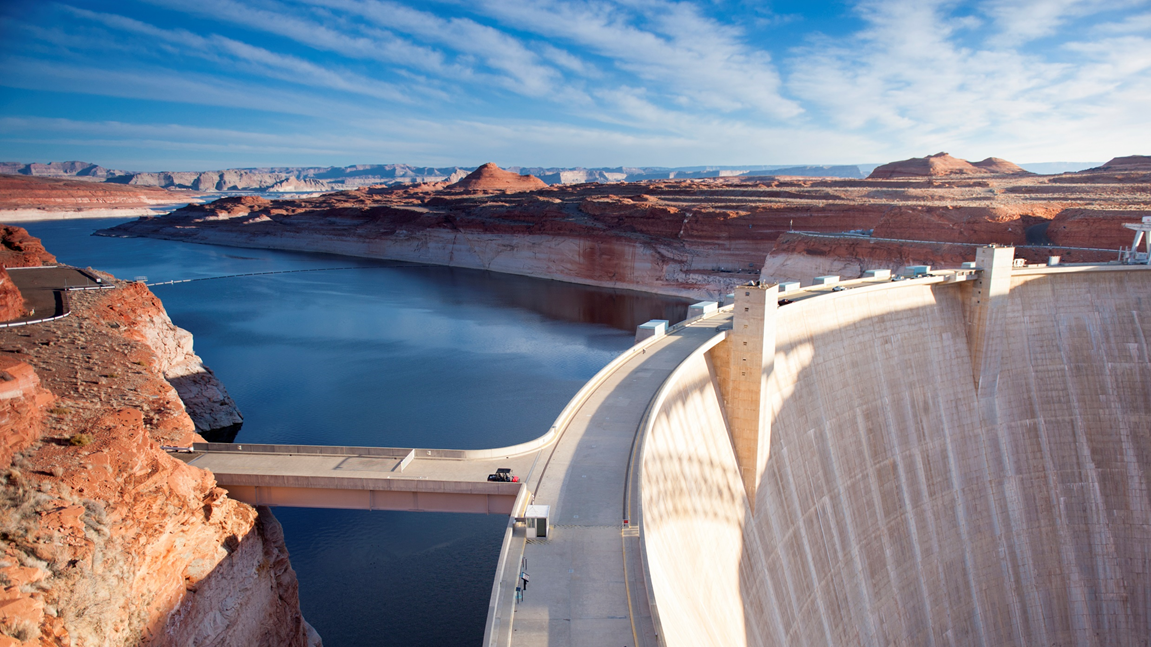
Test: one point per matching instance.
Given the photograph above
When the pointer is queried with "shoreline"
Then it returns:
(714, 290)
(37, 215)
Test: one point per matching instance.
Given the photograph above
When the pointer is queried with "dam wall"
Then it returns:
(900, 504)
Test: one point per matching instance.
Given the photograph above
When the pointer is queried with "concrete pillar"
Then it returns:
(752, 360)
(988, 314)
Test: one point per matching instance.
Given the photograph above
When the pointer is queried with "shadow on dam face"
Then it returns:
(899, 503)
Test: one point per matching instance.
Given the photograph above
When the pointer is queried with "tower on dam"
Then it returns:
(988, 312)
(752, 358)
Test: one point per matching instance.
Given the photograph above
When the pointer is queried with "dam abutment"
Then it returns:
(902, 501)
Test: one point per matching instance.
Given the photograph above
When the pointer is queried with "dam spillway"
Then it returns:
(931, 472)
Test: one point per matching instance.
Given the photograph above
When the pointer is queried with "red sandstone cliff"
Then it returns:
(20, 249)
(11, 301)
(105, 538)
(35, 198)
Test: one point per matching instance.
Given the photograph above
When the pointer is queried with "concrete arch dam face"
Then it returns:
(900, 502)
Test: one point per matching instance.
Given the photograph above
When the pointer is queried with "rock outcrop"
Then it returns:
(18, 248)
(140, 315)
(104, 537)
(490, 178)
(11, 301)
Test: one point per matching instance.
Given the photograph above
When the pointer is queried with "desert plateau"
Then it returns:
(696, 237)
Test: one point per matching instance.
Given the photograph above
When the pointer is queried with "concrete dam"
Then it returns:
(957, 458)
(910, 463)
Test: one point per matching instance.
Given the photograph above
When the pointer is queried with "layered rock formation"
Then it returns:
(490, 178)
(38, 198)
(690, 237)
(77, 170)
(104, 537)
(943, 165)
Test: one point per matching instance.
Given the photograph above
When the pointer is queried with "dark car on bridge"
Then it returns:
(504, 474)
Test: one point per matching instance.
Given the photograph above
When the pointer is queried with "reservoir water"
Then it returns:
(382, 354)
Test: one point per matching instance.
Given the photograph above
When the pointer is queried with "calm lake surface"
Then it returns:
(382, 354)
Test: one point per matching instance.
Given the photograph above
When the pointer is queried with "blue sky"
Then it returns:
(203, 84)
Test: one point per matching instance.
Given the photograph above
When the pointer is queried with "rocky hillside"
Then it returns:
(690, 237)
(106, 539)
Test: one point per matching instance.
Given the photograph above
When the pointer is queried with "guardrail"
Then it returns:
(495, 611)
(65, 305)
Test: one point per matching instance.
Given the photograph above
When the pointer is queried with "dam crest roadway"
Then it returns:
(715, 485)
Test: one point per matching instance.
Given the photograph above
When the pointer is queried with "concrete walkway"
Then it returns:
(578, 593)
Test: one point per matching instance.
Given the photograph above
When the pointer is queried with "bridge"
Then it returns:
(760, 474)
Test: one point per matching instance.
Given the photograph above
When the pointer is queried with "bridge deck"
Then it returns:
(587, 586)
(364, 482)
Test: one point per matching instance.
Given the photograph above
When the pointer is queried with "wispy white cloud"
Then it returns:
(1020, 21)
(682, 53)
(602, 82)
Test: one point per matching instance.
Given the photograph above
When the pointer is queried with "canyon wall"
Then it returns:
(902, 505)
(693, 238)
(106, 539)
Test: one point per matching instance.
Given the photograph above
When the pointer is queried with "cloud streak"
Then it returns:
(597, 82)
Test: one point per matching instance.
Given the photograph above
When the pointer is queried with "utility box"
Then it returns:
(1052, 261)
(538, 521)
(653, 328)
(788, 286)
(916, 270)
(968, 265)
(877, 274)
(830, 279)
(702, 308)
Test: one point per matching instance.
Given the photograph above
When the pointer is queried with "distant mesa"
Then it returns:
(1001, 166)
(944, 165)
(490, 177)
(1129, 163)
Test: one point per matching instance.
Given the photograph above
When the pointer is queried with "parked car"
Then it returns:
(504, 475)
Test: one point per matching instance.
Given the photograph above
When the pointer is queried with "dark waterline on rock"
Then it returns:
(384, 354)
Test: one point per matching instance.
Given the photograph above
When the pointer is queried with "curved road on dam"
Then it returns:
(586, 583)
